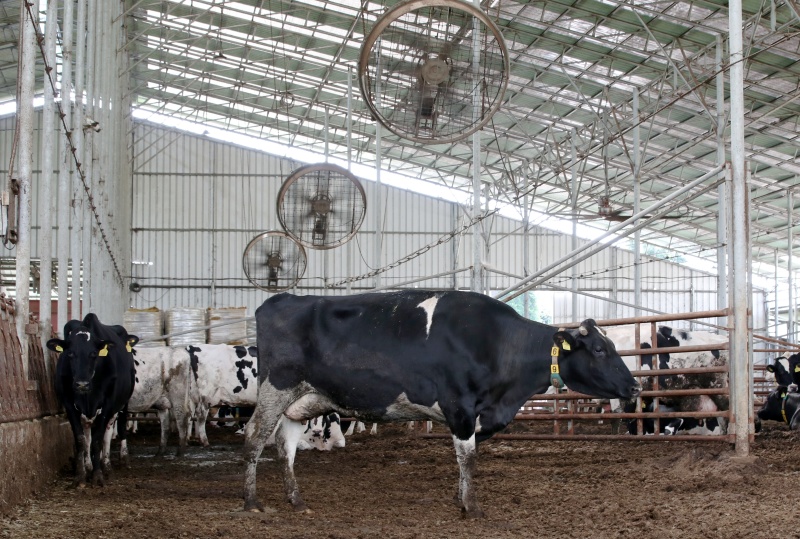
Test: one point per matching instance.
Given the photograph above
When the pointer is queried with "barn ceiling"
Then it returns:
(566, 132)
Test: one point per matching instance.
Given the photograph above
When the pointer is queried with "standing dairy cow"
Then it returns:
(225, 375)
(162, 383)
(94, 380)
(459, 358)
(221, 374)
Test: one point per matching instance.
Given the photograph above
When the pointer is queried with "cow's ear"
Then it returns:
(771, 368)
(666, 331)
(56, 345)
(131, 342)
(104, 348)
(565, 340)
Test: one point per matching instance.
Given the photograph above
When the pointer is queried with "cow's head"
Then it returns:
(82, 354)
(590, 364)
(782, 376)
(773, 407)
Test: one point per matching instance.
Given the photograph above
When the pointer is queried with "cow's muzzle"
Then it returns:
(636, 390)
(81, 387)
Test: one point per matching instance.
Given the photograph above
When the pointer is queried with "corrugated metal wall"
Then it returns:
(197, 203)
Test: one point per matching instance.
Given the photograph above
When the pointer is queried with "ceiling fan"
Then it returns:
(433, 70)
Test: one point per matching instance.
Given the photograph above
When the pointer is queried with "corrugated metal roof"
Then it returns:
(280, 70)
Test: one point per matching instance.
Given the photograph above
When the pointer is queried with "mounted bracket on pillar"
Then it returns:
(10, 200)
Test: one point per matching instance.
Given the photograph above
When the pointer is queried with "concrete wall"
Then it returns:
(32, 452)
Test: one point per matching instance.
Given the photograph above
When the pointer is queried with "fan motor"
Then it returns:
(435, 71)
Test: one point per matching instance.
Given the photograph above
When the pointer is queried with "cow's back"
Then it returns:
(415, 343)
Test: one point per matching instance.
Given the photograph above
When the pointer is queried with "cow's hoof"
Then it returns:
(300, 507)
(160, 452)
(474, 513)
(253, 506)
(78, 484)
(98, 480)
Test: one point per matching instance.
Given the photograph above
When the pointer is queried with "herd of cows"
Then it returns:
(458, 358)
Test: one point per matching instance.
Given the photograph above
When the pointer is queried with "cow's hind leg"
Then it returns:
(265, 418)
(467, 455)
(163, 421)
(286, 439)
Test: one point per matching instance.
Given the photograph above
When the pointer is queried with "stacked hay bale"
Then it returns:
(234, 333)
(180, 319)
(147, 324)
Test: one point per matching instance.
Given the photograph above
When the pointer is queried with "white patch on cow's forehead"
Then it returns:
(428, 306)
(88, 336)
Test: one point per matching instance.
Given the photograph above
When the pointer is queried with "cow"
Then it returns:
(786, 371)
(671, 426)
(162, 383)
(459, 358)
(94, 381)
(221, 374)
(781, 405)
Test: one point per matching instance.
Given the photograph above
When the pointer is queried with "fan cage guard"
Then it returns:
(273, 261)
(416, 72)
(321, 206)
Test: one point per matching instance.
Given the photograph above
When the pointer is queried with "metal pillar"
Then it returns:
(27, 60)
(574, 204)
(637, 200)
(77, 215)
(741, 356)
(477, 247)
(46, 182)
(722, 198)
(64, 167)
(790, 324)
(526, 225)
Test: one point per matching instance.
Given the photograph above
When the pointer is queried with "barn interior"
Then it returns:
(575, 159)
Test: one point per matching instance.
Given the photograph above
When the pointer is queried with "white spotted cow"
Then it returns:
(462, 359)
(162, 383)
(221, 374)
(623, 337)
(225, 375)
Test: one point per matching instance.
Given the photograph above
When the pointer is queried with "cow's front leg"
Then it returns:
(286, 439)
(467, 455)
(79, 481)
(96, 451)
(105, 454)
(163, 421)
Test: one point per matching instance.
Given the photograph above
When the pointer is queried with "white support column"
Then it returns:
(741, 356)
(64, 167)
(24, 174)
(790, 324)
(526, 249)
(46, 180)
(477, 244)
(637, 200)
(722, 198)
(77, 216)
(574, 205)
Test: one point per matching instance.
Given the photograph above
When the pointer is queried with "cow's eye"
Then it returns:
(598, 349)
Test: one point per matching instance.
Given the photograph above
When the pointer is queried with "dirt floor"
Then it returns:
(393, 485)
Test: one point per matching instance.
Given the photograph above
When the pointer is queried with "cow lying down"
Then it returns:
(461, 359)
(781, 405)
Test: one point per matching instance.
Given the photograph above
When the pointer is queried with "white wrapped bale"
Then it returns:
(184, 319)
(145, 324)
(232, 333)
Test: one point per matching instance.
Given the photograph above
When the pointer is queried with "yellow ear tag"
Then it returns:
(783, 395)
(128, 347)
(797, 368)
(565, 346)
(59, 349)
(103, 352)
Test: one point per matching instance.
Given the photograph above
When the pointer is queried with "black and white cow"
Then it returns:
(786, 371)
(94, 381)
(781, 405)
(459, 358)
(221, 374)
(162, 383)
(671, 426)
